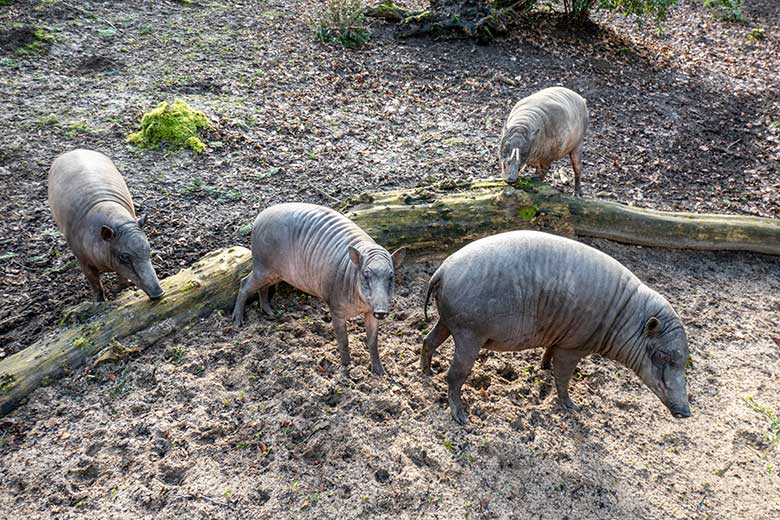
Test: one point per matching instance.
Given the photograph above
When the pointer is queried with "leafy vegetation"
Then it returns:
(343, 22)
(773, 433)
(579, 10)
(730, 10)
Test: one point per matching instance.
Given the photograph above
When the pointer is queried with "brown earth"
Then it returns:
(260, 423)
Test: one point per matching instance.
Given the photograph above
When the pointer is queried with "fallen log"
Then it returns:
(445, 217)
(429, 219)
(99, 329)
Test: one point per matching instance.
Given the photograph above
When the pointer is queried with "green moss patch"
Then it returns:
(25, 41)
(175, 125)
(6, 383)
(81, 343)
(528, 213)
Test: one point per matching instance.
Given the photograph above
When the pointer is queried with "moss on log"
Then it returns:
(210, 284)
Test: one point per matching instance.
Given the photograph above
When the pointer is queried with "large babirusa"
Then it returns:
(525, 289)
(93, 209)
(541, 129)
(323, 253)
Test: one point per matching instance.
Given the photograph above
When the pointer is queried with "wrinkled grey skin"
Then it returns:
(525, 289)
(541, 129)
(323, 253)
(93, 209)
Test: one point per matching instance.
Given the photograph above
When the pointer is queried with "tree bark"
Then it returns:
(434, 219)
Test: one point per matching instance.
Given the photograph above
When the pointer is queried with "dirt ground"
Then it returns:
(218, 422)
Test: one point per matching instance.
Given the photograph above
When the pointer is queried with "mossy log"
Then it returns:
(210, 284)
(426, 220)
(445, 217)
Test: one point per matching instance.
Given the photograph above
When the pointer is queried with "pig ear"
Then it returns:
(354, 254)
(652, 326)
(141, 220)
(106, 233)
(398, 257)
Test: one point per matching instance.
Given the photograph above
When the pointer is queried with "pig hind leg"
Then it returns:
(93, 278)
(467, 347)
(564, 365)
(576, 164)
(266, 293)
(547, 358)
(435, 337)
(256, 281)
(542, 170)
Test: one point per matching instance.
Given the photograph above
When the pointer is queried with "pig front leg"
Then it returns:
(93, 278)
(564, 365)
(372, 333)
(342, 339)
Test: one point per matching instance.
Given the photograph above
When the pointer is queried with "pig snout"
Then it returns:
(681, 412)
(147, 281)
(381, 306)
(511, 170)
(156, 295)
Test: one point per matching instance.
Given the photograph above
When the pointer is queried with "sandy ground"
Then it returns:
(260, 423)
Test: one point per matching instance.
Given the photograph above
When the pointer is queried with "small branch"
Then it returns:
(205, 498)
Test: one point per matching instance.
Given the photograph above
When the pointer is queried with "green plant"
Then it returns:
(343, 22)
(773, 435)
(729, 10)
(175, 354)
(578, 11)
(757, 34)
(41, 41)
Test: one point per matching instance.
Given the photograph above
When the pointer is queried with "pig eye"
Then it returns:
(660, 357)
(124, 258)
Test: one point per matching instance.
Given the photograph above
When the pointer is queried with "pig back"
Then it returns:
(560, 114)
(80, 180)
(527, 289)
(308, 247)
